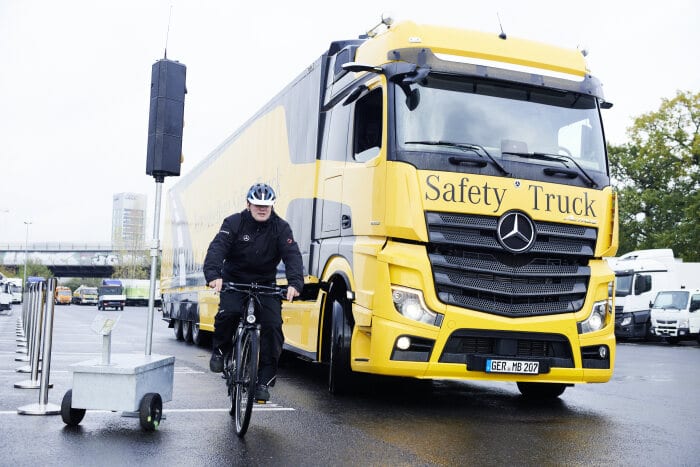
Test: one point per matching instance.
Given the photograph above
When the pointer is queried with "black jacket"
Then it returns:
(252, 251)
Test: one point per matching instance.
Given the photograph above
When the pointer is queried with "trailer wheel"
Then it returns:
(187, 331)
(150, 411)
(70, 416)
(177, 329)
(541, 391)
(199, 337)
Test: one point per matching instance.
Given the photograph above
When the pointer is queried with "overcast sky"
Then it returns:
(75, 81)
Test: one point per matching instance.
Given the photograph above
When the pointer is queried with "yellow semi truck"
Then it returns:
(450, 193)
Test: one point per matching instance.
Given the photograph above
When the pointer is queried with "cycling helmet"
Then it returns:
(261, 194)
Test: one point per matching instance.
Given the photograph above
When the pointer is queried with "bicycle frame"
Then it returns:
(246, 354)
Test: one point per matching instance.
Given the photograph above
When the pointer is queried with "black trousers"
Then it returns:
(231, 308)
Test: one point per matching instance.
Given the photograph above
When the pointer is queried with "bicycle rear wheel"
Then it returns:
(243, 392)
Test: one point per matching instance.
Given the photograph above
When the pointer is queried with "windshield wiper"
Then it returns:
(544, 156)
(465, 146)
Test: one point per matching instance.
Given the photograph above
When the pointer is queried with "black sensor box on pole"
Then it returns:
(166, 118)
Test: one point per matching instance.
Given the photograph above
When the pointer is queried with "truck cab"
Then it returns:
(111, 295)
(62, 295)
(675, 315)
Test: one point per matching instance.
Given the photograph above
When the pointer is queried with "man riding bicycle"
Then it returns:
(248, 248)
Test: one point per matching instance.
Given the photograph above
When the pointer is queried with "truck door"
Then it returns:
(694, 315)
(363, 207)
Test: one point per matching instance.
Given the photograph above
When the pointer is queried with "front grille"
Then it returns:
(465, 345)
(472, 270)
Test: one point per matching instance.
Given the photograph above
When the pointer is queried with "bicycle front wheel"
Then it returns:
(243, 393)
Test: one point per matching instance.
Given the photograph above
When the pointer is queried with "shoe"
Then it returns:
(216, 362)
(261, 393)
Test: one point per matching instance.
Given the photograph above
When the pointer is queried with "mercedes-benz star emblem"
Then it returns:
(516, 232)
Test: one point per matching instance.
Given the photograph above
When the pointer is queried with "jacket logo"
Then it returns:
(516, 232)
(246, 238)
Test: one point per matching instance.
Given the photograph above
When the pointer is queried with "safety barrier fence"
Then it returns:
(34, 335)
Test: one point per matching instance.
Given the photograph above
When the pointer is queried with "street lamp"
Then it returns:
(26, 246)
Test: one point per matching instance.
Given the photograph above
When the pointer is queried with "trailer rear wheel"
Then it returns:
(177, 329)
(187, 331)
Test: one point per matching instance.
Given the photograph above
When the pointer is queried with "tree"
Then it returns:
(657, 176)
(35, 268)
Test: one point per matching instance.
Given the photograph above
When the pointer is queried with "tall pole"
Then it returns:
(26, 248)
(155, 248)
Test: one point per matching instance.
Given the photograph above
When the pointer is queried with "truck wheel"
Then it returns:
(70, 416)
(339, 371)
(150, 411)
(541, 391)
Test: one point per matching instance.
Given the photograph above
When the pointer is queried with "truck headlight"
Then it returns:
(684, 323)
(626, 320)
(598, 317)
(410, 304)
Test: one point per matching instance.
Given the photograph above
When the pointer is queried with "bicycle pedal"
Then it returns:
(260, 401)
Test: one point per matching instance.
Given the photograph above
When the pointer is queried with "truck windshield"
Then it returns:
(90, 291)
(511, 122)
(623, 285)
(677, 300)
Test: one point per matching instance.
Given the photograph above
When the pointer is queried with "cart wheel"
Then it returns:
(70, 416)
(150, 411)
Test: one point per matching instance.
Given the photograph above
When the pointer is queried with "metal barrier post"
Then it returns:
(43, 407)
(22, 327)
(33, 332)
(38, 303)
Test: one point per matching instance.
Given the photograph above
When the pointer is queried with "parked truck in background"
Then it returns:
(62, 295)
(675, 315)
(639, 276)
(15, 288)
(111, 295)
(5, 296)
(450, 194)
(85, 295)
(137, 292)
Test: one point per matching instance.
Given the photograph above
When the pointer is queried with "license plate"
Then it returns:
(512, 366)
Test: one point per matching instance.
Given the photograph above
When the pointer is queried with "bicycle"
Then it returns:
(241, 365)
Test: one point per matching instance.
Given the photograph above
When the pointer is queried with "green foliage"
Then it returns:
(133, 264)
(75, 282)
(8, 271)
(657, 176)
(35, 268)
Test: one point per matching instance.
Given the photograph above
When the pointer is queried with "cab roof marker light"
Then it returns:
(509, 66)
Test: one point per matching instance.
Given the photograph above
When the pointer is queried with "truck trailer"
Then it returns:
(450, 194)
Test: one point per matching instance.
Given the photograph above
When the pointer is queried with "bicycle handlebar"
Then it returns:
(254, 288)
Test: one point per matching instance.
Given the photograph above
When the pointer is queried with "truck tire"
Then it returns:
(340, 378)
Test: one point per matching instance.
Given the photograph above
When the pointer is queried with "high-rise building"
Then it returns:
(128, 221)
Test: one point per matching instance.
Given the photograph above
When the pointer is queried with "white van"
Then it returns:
(675, 315)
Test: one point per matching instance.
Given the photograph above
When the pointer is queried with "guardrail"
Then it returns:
(67, 246)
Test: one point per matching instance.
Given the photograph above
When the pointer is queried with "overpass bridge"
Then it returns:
(72, 259)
